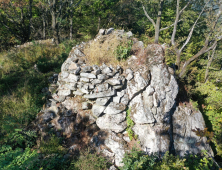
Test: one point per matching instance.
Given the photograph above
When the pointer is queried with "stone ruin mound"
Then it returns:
(88, 105)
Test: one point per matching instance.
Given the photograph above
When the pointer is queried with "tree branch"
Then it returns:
(184, 7)
(151, 20)
(169, 26)
(192, 29)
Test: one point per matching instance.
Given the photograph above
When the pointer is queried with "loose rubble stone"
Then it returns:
(86, 106)
(83, 79)
(102, 77)
(58, 98)
(109, 31)
(79, 53)
(108, 93)
(73, 66)
(73, 78)
(114, 82)
(86, 69)
(101, 88)
(76, 71)
(107, 70)
(64, 92)
(88, 75)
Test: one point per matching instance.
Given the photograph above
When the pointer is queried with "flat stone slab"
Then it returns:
(114, 108)
(107, 93)
(88, 75)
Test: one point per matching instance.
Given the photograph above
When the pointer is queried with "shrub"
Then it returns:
(137, 160)
(123, 50)
(52, 145)
(90, 161)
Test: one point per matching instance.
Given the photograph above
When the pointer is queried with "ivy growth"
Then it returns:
(130, 125)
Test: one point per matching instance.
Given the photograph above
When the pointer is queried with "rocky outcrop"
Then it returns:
(90, 105)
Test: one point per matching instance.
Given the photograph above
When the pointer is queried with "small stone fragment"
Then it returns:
(86, 80)
(108, 93)
(86, 69)
(102, 77)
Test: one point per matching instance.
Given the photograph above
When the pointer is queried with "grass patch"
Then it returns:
(21, 84)
(108, 49)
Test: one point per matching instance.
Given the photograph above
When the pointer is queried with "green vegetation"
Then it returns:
(21, 83)
(90, 160)
(130, 125)
(123, 51)
(137, 160)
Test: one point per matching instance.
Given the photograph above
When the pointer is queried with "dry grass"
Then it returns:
(103, 50)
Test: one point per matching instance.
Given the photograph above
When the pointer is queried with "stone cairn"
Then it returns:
(89, 106)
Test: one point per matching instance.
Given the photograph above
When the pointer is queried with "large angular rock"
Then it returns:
(116, 145)
(141, 114)
(185, 140)
(115, 123)
(97, 110)
(153, 139)
(114, 108)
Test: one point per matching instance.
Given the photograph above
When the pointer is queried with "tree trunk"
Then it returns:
(55, 29)
(43, 30)
(71, 28)
(178, 54)
(98, 23)
(30, 18)
(184, 69)
(210, 60)
(158, 21)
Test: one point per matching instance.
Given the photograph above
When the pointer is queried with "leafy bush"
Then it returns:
(90, 161)
(20, 138)
(52, 145)
(137, 160)
(123, 50)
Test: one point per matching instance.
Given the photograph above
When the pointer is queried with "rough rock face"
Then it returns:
(90, 105)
